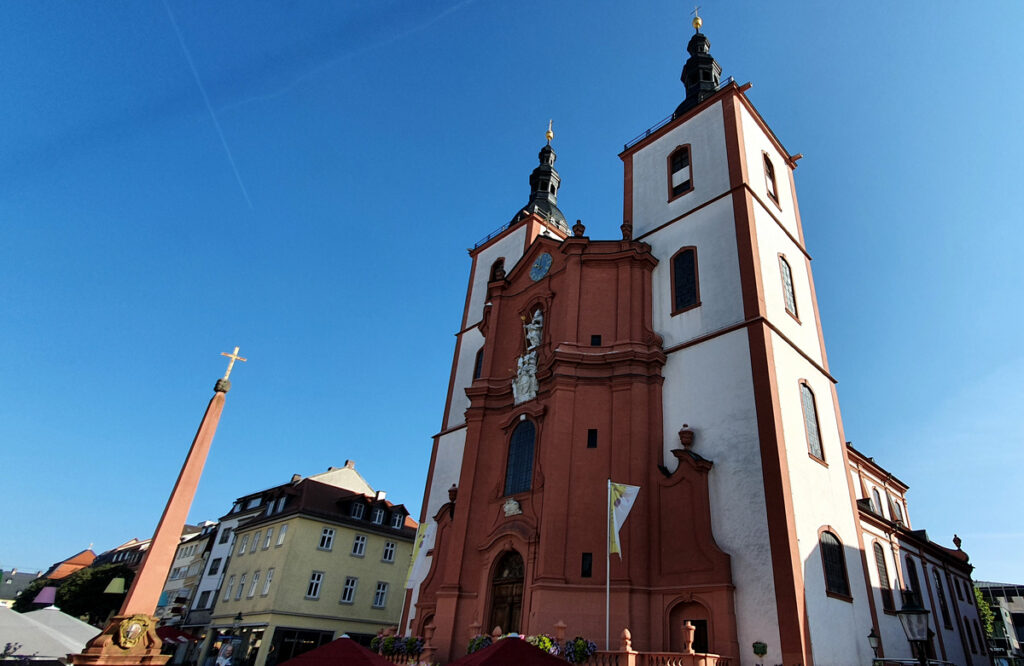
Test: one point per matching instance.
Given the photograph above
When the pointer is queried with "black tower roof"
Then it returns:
(544, 183)
(701, 73)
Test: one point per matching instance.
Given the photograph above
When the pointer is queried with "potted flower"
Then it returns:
(579, 650)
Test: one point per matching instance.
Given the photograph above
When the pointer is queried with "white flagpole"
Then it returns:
(608, 564)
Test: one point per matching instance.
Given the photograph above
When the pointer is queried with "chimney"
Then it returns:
(296, 478)
(350, 464)
(381, 495)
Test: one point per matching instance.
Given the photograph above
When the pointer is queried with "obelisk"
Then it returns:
(131, 638)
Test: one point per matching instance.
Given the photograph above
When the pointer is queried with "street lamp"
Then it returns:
(914, 619)
(873, 640)
(236, 623)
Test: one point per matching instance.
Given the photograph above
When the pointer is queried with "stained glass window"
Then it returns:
(519, 473)
(811, 422)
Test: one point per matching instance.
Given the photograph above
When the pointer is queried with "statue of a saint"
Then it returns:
(524, 386)
(534, 330)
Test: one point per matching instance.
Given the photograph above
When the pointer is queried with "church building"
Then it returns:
(686, 358)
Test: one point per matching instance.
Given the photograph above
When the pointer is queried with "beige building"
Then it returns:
(332, 562)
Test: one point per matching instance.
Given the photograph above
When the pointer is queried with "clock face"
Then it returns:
(540, 267)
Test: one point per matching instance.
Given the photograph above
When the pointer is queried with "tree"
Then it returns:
(985, 613)
(82, 593)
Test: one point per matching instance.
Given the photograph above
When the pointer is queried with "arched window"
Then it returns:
(883, 578)
(685, 286)
(787, 285)
(497, 270)
(897, 511)
(834, 563)
(811, 422)
(680, 180)
(769, 178)
(519, 472)
(478, 363)
(941, 594)
(876, 502)
(912, 581)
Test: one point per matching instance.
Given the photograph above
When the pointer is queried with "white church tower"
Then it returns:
(711, 190)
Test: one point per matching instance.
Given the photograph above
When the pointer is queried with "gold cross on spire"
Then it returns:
(549, 134)
(234, 357)
(697, 22)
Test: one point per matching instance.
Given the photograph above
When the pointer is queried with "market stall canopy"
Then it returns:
(70, 626)
(510, 651)
(341, 651)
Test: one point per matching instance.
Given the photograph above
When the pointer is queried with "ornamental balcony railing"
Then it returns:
(661, 123)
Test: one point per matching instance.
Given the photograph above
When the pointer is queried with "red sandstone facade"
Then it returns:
(671, 569)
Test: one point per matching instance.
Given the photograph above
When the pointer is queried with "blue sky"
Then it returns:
(317, 213)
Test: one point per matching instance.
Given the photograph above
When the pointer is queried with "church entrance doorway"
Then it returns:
(507, 593)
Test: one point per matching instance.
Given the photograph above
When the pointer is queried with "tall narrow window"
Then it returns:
(970, 639)
(389, 551)
(497, 270)
(587, 565)
(326, 539)
(359, 545)
(227, 590)
(941, 594)
(876, 502)
(811, 422)
(348, 593)
(478, 363)
(255, 542)
(252, 586)
(313, 588)
(834, 563)
(769, 178)
(685, 286)
(519, 472)
(680, 180)
(241, 587)
(397, 520)
(266, 583)
(981, 639)
(380, 596)
(592, 438)
(378, 516)
(270, 537)
(897, 511)
(959, 594)
(245, 542)
(280, 535)
(883, 578)
(912, 581)
(787, 285)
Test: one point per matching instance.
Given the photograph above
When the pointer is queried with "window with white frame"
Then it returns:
(269, 538)
(255, 542)
(348, 593)
(227, 590)
(253, 503)
(326, 539)
(396, 520)
(313, 589)
(245, 542)
(255, 582)
(357, 510)
(359, 545)
(378, 516)
(266, 583)
(280, 504)
(389, 551)
(280, 535)
(380, 596)
(241, 587)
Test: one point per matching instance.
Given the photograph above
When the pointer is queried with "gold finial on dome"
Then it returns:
(549, 134)
(697, 22)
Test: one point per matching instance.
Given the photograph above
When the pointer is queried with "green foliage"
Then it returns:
(985, 613)
(81, 594)
(478, 642)
(23, 603)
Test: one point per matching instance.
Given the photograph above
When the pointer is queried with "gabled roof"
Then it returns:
(65, 568)
(13, 582)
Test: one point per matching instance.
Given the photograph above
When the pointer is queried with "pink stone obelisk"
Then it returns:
(131, 638)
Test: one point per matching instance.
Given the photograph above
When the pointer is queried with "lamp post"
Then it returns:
(236, 623)
(873, 640)
(914, 619)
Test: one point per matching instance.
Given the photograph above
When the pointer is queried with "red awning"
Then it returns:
(174, 635)
(343, 650)
(509, 652)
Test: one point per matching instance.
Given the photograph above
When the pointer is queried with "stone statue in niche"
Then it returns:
(524, 386)
(534, 330)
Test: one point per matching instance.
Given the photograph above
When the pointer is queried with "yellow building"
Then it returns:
(333, 562)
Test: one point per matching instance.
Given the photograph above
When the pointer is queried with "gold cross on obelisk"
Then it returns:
(234, 357)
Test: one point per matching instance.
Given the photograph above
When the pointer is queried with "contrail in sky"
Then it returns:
(209, 107)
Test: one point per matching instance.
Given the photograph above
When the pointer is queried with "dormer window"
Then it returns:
(396, 520)
(358, 510)
(378, 516)
(680, 180)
